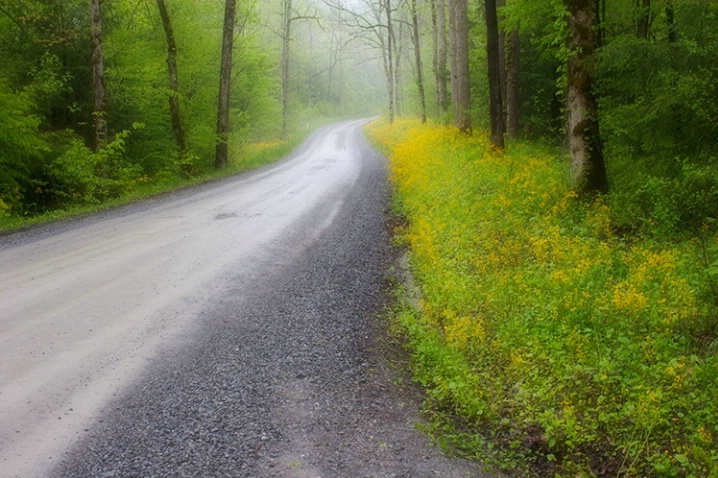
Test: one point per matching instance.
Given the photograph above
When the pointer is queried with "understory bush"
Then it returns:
(556, 342)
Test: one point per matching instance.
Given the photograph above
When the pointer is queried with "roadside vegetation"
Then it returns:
(551, 339)
(101, 193)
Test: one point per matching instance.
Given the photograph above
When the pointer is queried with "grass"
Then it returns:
(549, 343)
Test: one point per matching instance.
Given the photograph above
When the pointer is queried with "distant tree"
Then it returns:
(225, 79)
(417, 59)
(440, 70)
(460, 75)
(177, 129)
(588, 170)
(373, 24)
(289, 16)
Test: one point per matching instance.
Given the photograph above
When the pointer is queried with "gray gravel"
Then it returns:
(291, 375)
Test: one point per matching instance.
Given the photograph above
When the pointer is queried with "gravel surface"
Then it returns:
(289, 374)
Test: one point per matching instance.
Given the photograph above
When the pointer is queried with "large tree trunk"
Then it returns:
(588, 171)
(98, 75)
(286, 32)
(417, 58)
(496, 109)
(441, 72)
(177, 129)
(462, 112)
(513, 68)
(225, 78)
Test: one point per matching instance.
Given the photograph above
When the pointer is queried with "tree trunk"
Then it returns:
(225, 78)
(588, 171)
(453, 78)
(417, 58)
(502, 59)
(496, 109)
(286, 32)
(98, 75)
(513, 69)
(441, 72)
(398, 73)
(434, 52)
(644, 19)
(462, 113)
(389, 59)
(177, 130)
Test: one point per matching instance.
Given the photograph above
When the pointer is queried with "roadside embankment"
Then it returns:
(548, 340)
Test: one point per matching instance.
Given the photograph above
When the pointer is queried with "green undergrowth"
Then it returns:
(91, 193)
(550, 341)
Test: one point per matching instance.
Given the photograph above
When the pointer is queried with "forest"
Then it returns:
(101, 98)
(555, 164)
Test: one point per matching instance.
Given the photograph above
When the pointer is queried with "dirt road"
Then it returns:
(226, 330)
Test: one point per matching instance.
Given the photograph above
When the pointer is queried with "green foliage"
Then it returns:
(22, 150)
(560, 345)
(80, 176)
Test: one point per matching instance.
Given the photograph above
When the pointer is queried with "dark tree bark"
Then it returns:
(417, 59)
(502, 58)
(98, 75)
(496, 109)
(225, 78)
(644, 19)
(513, 69)
(177, 129)
(462, 105)
(588, 171)
(441, 70)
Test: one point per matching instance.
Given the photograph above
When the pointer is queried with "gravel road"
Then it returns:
(229, 330)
